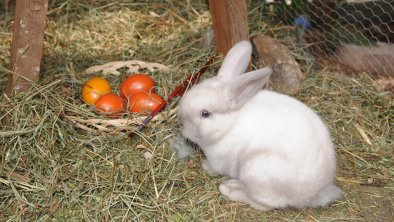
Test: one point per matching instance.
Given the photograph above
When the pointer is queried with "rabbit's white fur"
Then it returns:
(276, 150)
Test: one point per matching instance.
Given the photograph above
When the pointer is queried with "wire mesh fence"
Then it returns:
(359, 34)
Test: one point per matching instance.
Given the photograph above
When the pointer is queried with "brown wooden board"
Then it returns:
(27, 42)
(230, 22)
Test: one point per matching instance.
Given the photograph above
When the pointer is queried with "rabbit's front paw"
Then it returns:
(234, 190)
(208, 168)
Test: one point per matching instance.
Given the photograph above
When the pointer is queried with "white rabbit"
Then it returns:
(276, 151)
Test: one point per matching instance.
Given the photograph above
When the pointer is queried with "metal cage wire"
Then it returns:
(358, 33)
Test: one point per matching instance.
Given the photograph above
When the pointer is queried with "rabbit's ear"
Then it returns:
(237, 60)
(242, 88)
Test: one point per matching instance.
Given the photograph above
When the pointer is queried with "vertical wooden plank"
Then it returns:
(230, 22)
(26, 47)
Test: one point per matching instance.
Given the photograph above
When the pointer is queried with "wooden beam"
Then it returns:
(26, 47)
(230, 22)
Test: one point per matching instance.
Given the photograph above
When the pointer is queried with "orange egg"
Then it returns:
(144, 102)
(94, 88)
(136, 83)
(110, 104)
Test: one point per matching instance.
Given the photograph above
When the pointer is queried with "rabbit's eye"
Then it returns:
(205, 113)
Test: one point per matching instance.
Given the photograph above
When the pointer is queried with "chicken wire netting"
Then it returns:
(358, 34)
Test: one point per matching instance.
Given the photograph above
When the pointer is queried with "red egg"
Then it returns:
(144, 102)
(136, 83)
(110, 104)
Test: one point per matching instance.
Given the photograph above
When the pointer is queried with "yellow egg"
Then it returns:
(94, 88)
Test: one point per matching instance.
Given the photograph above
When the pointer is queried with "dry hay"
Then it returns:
(53, 170)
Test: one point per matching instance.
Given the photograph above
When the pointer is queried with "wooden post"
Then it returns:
(27, 41)
(230, 22)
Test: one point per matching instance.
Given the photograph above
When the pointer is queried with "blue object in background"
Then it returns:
(302, 24)
(302, 21)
